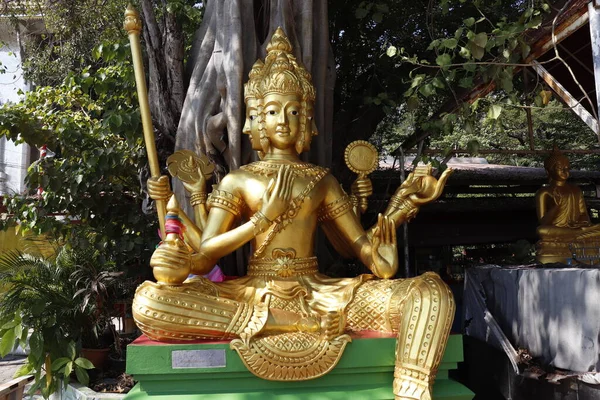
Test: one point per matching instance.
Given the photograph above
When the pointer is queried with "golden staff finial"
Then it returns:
(133, 26)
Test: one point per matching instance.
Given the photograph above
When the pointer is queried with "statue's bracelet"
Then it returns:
(198, 198)
(402, 203)
(261, 223)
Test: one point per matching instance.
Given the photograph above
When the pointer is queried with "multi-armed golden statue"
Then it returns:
(286, 320)
(562, 214)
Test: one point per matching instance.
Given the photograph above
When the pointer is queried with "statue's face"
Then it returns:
(282, 120)
(251, 124)
(560, 171)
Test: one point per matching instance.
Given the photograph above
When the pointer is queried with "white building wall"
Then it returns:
(14, 159)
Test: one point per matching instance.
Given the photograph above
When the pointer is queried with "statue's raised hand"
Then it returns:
(426, 189)
(278, 194)
(198, 185)
(159, 188)
(384, 251)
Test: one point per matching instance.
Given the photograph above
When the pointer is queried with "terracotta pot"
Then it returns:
(98, 357)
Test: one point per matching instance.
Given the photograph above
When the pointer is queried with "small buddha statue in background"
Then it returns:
(286, 320)
(562, 213)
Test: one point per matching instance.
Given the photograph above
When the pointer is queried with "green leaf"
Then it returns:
(525, 50)
(534, 23)
(18, 331)
(507, 84)
(70, 350)
(473, 147)
(481, 39)
(476, 51)
(361, 13)
(378, 17)
(23, 370)
(494, 111)
(466, 82)
(443, 59)
(412, 103)
(68, 368)
(427, 90)
(438, 83)
(450, 43)
(84, 363)
(469, 127)
(391, 51)
(10, 324)
(546, 7)
(36, 344)
(59, 363)
(7, 343)
(469, 21)
(434, 44)
(464, 52)
(458, 33)
(82, 376)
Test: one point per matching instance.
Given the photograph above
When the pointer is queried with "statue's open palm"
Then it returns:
(384, 249)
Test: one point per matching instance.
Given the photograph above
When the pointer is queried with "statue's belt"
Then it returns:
(282, 267)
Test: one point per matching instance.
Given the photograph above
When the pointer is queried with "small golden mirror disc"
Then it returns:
(361, 157)
(187, 165)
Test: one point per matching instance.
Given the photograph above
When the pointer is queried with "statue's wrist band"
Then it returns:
(198, 198)
(261, 223)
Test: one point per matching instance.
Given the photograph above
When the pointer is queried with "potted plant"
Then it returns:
(39, 309)
(97, 282)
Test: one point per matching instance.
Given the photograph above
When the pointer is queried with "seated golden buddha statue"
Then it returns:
(562, 213)
(285, 319)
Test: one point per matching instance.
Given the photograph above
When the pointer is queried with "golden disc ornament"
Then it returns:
(361, 157)
(187, 166)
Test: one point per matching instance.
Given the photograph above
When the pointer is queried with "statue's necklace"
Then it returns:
(268, 169)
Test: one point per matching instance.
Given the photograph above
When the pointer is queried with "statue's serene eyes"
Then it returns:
(294, 112)
(272, 112)
(252, 117)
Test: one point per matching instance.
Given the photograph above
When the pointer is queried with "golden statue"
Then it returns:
(561, 212)
(285, 319)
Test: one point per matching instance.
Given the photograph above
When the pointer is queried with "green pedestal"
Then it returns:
(211, 371)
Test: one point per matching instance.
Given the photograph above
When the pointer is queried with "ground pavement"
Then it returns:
(9, 365)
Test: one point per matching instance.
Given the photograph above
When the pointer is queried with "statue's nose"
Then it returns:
(282, 118)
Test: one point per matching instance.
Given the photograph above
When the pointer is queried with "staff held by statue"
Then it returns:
(133, 26)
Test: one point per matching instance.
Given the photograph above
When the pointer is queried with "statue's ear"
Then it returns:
(309, 134)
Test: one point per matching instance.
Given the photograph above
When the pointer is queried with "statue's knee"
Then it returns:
(434, 291)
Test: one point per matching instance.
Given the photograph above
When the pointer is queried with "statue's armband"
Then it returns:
(336, 208)
(226, 201)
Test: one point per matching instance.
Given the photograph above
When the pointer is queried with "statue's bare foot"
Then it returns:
(307, 324)
(281, 321)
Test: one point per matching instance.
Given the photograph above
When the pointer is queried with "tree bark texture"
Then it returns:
(233, 35)
(166, 78)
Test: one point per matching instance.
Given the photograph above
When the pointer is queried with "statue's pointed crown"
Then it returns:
(280, 73)
(555, 157)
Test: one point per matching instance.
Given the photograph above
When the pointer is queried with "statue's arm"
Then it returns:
(546, 207)
(379, 254)
(414, 192)
(219, 239)
(584, 216)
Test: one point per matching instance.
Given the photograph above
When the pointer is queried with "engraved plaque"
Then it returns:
(213, 358)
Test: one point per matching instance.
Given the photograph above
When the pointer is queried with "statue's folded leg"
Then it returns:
(193, 311)
(421, 311)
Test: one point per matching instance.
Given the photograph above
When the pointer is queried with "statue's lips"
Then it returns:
(283, 133)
